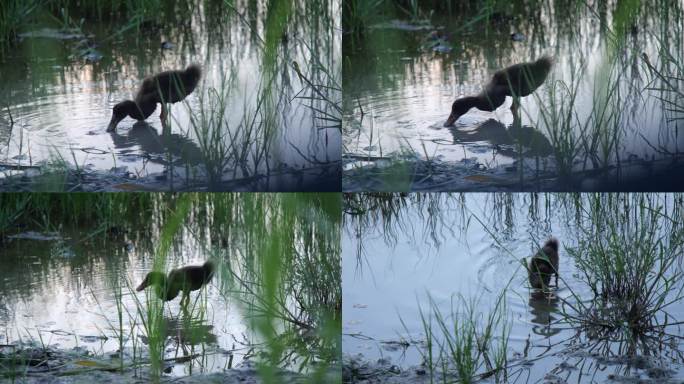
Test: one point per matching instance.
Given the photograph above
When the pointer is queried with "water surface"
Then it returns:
(71, 287)
(414, 70)
(60, 97)
(444, 246)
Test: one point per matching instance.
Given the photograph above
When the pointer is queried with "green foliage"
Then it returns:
(465, 343)
(627, 254)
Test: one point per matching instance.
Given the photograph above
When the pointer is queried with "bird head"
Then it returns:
(458, 109)
(544, 64)
(193, 72)
(552, 242)
(153, 278)
(119, 112)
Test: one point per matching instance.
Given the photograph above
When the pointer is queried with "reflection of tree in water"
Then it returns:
(431, 218)
(421, 217)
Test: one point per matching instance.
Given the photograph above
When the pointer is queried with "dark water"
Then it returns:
(443, 246)
(60, 96)
(396, 106)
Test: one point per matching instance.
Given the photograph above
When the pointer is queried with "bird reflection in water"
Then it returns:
(506, 140)
(544, 307)
(150, 142)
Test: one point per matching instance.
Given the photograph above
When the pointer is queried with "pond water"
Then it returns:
(414, 69)
(59, 87)
(73, 288)
(64, 289)
(397, 254)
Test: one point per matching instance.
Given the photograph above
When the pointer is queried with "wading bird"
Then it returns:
(517, 81)
(544, 264)
(165, 87)
(185, 279)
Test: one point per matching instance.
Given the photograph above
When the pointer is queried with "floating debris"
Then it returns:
(518, 37)
(86, 44)
(405, 25)
(92, 55)
(61, 249)
(437, 41)
(32, 235)
(92, 339)
(94, 151)
(395, 345)
(51, 33)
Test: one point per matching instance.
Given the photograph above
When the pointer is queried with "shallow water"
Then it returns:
(63, 289)
(69, 278)
(437, 246)
(61, 100)
(399, 103)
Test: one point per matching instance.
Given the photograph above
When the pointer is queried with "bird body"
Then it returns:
(185, 279)
(522, 79)
(518, 81)
(171, 86)
(543, 265)
(164, 87)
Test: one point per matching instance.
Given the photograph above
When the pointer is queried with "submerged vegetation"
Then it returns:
(277, 258)
(618, 304)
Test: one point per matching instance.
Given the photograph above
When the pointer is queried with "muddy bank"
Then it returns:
(36, 364)
(637, 369)
(384, 174)
(242, 376)
(324, 178)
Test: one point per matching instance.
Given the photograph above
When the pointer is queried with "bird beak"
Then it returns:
(451, 120)
(142, 285)
(113, 123)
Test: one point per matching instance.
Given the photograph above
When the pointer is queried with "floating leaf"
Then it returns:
(90, 363)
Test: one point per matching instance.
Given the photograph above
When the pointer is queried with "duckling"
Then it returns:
(544, 264)
(186, 279)
(518, 81)
(165, 87)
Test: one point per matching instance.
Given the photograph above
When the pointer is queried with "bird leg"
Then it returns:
(515, 106)
(164, 115)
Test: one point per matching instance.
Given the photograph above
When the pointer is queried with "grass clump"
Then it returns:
(15, 14)
(12, 14)
(627, 255)
(466, 344)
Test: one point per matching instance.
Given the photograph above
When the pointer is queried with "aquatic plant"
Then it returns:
(13, 13)
(358, 15)
(287, 284)
(276, 272)
(97, 211)
(629, 255)
(666, 83)
(465, 343)
(589, 116)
